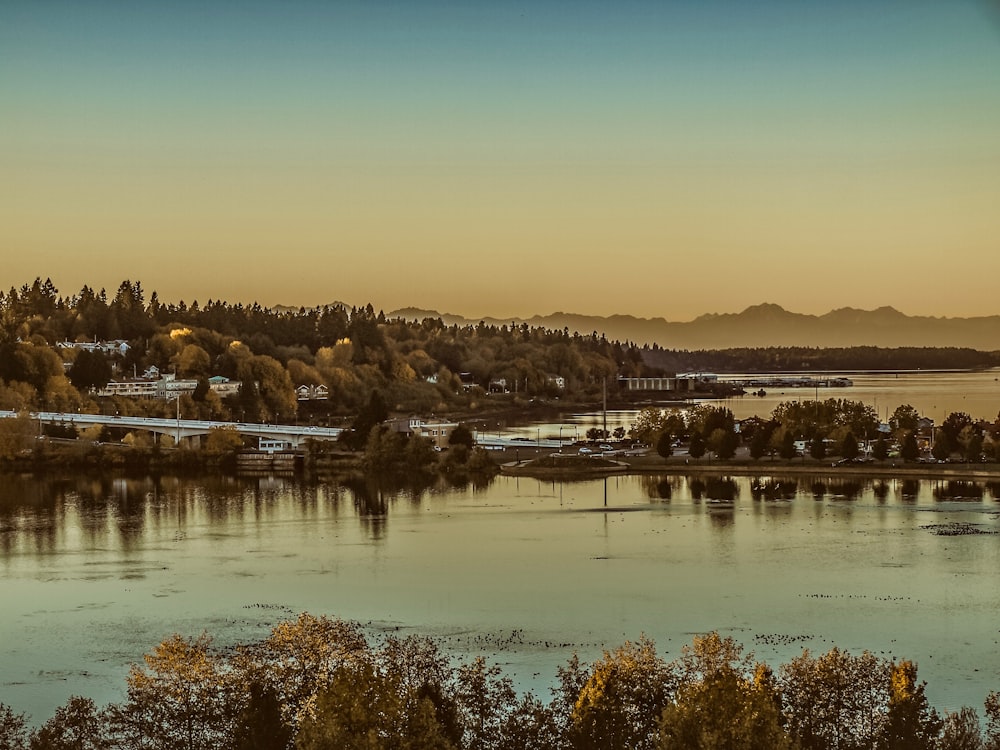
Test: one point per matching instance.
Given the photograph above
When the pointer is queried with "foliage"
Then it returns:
(462, 435)
(13, 729)
(696, 448)
(665, 445)
(961, 731)
(817, 448)
(849, 448)
(724, 702)
(78, 725)
(909, 451)
(835, 701)
(620, 702)
(880, 450)
(910, 723)
(316, 682)
(223, 440)
(178, 700)
(16, 435)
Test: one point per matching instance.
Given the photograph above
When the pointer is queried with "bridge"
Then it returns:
(178, 429)
(294, 435)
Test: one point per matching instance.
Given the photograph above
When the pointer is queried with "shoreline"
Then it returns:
(644, 465)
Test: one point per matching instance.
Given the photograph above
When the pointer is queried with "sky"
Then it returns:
(658, 159)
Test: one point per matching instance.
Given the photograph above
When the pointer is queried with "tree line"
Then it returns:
(811, 359)
(831, 426)
(319, 683)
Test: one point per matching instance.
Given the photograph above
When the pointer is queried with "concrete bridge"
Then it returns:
(179, 429)
(295, 435)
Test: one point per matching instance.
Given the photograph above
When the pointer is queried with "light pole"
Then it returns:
(177, 435)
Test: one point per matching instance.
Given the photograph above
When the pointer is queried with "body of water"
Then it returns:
(932, 394)
(94, 572)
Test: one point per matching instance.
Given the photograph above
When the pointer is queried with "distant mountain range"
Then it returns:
(765, 325)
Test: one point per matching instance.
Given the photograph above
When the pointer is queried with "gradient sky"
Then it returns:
(500, 158)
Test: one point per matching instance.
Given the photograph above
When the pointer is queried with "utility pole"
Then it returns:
(605, 392)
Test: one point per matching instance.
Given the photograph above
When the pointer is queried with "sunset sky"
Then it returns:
(506, 159)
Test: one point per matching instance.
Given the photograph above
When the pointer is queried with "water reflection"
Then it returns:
(843, 561)
(958, 490)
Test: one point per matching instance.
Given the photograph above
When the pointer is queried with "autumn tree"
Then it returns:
(299, 658)
(835, 701)
(16, 435)
(620, 703)
(961, 731)
(13, 729)
(177, 701)
(910, 723)
(77, 725)
(723, 701)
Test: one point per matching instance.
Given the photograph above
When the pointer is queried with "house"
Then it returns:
(312, 392)
(436, 431)
(271, 445)
(498, 385)
(556, 381)
(118, 347)
(224, 386)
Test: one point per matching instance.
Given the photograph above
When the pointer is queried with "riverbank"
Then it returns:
(574, 467)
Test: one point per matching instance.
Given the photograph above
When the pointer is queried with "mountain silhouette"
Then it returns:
(763, 325)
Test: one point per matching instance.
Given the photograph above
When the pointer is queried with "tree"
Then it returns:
(905, 418)
(909, 451)
(724, 702)
(665, 445)
(961, 731)
(258, 725)
(78, 725)
(620, 703)
(849, 448)
(300, 657)
(723, 443)
(696, 448)
(13, 729)
(90, 370)
(910, 723)
(462, 435)
(835, 701)
(817, 448)
(880, 451)
(16, 435)
(177, 700)
(363, 708)
(758, 444)
(992, 706)
(485, 699)
(974, 448)
(787, 450)
(223, 440)
(941, 449)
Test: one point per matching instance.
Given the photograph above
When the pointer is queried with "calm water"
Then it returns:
(933, 394)
(93, 573)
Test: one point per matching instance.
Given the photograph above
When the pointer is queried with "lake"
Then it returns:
(932, 394)
(95, 571)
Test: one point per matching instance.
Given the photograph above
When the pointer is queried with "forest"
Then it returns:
(420, 366)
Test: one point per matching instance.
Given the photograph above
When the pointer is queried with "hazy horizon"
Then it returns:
(654, 159)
